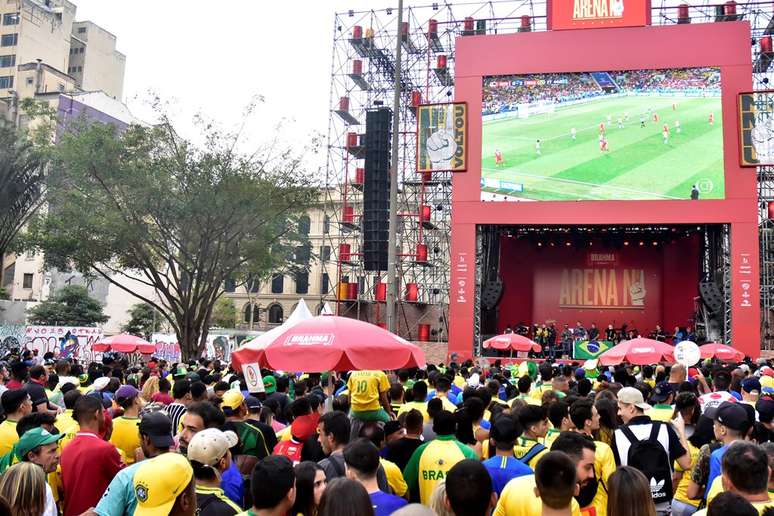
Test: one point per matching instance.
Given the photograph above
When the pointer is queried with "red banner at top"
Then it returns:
(597, 14)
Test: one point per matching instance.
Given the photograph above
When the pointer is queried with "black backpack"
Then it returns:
(652, 460)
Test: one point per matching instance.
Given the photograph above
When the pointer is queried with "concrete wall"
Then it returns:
(99, 66)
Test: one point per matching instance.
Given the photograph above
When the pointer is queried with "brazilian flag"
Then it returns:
(589, 350)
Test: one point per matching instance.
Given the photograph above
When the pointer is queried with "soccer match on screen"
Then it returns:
(624, 135)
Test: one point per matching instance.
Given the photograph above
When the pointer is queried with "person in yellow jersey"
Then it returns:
(16, 404)
(524, 385)
(544, 384)
(430, 462)
(165, 485)
(559, 416)
(419, 394)
(368, 395)
(529, 447)
(518, 498)
(442, 388)
(585, 419)
(745, 471)
(661, 399)
(126, 429)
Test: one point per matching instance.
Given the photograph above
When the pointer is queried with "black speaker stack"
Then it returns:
(376, 189)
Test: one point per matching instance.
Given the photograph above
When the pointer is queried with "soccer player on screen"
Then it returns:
(601, 128)
(620, 123)
(665, 133)
(609, 119)
(573, 133)
(537, 147)
(498, 158)
(674, 106)
(655, 117)
(677, 126)
(603, 143)
(642, 121)
(712, 119)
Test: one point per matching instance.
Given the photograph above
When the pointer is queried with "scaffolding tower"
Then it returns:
(363, 78)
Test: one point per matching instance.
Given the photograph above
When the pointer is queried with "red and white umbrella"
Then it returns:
(124, 343)
(513, 342)
(331, 343)
(639, 351)
(721, 352)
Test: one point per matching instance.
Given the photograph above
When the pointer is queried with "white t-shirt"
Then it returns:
(714, 399)
(50, 508)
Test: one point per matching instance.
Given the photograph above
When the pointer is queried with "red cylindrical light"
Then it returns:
(423, 332)
(345, 252)
(404, 28)
(359, 176)
(357, 32)
(730, 8)
(421, 252)
(348, 214)
(380, 291)
(344, 104)
(432, 27)
(427, 176)
(682, 12)
(412, 292)
(765, 43)
(469, 23)
(416, 98)
(441, 62)
(424, 213)
(351, 140)
(770, 207)
(525, 22)
(357, 67)
(352, 291)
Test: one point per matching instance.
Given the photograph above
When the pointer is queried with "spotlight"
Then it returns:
(338, 28)
(765, 80)
(435, 6)
(655, 243)
(389, 12)
(540, 244)
(568, 244)
(626, 242)
(449, 93)
(351, 13)
(642, 243)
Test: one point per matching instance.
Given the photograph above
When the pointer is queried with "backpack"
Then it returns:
(290, 449)
(652, 460)
(532, 453)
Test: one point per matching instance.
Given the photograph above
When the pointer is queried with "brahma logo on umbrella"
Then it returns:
(310, 339)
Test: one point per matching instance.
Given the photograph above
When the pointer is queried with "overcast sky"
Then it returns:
(214, 57)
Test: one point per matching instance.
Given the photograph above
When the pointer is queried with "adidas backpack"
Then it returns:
(652, 460)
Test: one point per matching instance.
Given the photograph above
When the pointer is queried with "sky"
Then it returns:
(214, 57)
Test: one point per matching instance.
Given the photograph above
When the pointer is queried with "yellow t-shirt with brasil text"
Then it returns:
(518, 499)
(8, 436)
(126, 436)
(364, 389)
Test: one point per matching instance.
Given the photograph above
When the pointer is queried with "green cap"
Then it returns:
(35, 437)
(180, 371)
(270, 384)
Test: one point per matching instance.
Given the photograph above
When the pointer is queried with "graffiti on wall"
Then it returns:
(11, 337)
(63, 341)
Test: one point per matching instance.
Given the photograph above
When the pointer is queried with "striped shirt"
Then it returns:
(175, 412)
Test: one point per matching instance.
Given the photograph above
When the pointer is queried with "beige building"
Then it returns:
(94, 62)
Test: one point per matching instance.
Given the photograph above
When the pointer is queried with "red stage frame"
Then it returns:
(724, 45)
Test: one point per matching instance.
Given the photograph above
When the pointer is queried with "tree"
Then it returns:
(143, 321)
(224, 313)
(68, 306)
(147, 204)
(22, 182)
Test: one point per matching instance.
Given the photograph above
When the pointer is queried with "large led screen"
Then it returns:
(624, 135)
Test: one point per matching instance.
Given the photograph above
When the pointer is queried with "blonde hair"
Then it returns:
(149, 388)
(23, 486)
(438, 500)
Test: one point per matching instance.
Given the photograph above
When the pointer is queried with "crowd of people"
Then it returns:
(464, 439)
(506, 93)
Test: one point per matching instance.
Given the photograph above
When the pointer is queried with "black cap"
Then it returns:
(661, 392)
(765, 408)
(158, 427)
(252, 403)
(12, 399)
(733, 416)
(390, 427)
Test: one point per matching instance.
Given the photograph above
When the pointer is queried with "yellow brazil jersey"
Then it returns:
(529, 400)
(394, 477)
(537, 392)
(365, 387)
(604, 466)
(220, 495)
(681, 493)
(518, 499)
(551, 436)
(421, 406)
(8, 436)
(661, 413)
(431, 461)
(65, 422)
(126, 436)
(524, 445)
(446, 404)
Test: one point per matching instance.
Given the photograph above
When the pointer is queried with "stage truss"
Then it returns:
(362, 78)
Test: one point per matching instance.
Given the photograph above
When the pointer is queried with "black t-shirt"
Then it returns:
(400, 451)
(283, 401)
(37, 394)
(268, 433)
(211, 504)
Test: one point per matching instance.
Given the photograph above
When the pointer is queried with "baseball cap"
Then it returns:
(232, 399)
(100, 383)
(390, 427)
(303, 427)
(765, 408)
(179, 372)
(126, 392)
(767, 371)
(733, 416)
(12, 399)
(159, 481)
(252, 403)
(750, 385)
(210, 445)
(35, 437)
(270, 384)
(661, 392)
(632, 396)
(158, 427)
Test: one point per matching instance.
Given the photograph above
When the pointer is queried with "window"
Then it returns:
(303, 253)
(253, 286)
(6, 61)
(326, 225)
(229, 285)
(61, 87)
(325, 253)
(325, 284)
(6, 81)
(275, 314)
(8, 274)
(302, 283)
(81, 30)
(80, 69)
(11, 19)
(81, 50)
(9, 40)
(27, 280)
(277, 284)
(256, 313)
(304, 225)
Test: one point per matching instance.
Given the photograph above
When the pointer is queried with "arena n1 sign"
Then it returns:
(442, 137)
(756, 128)
(597, 14)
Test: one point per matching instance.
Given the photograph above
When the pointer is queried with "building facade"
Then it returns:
(94, 62)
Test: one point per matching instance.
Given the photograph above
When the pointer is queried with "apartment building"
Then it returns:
(94, 62)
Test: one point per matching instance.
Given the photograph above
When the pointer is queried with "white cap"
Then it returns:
(210, 445)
